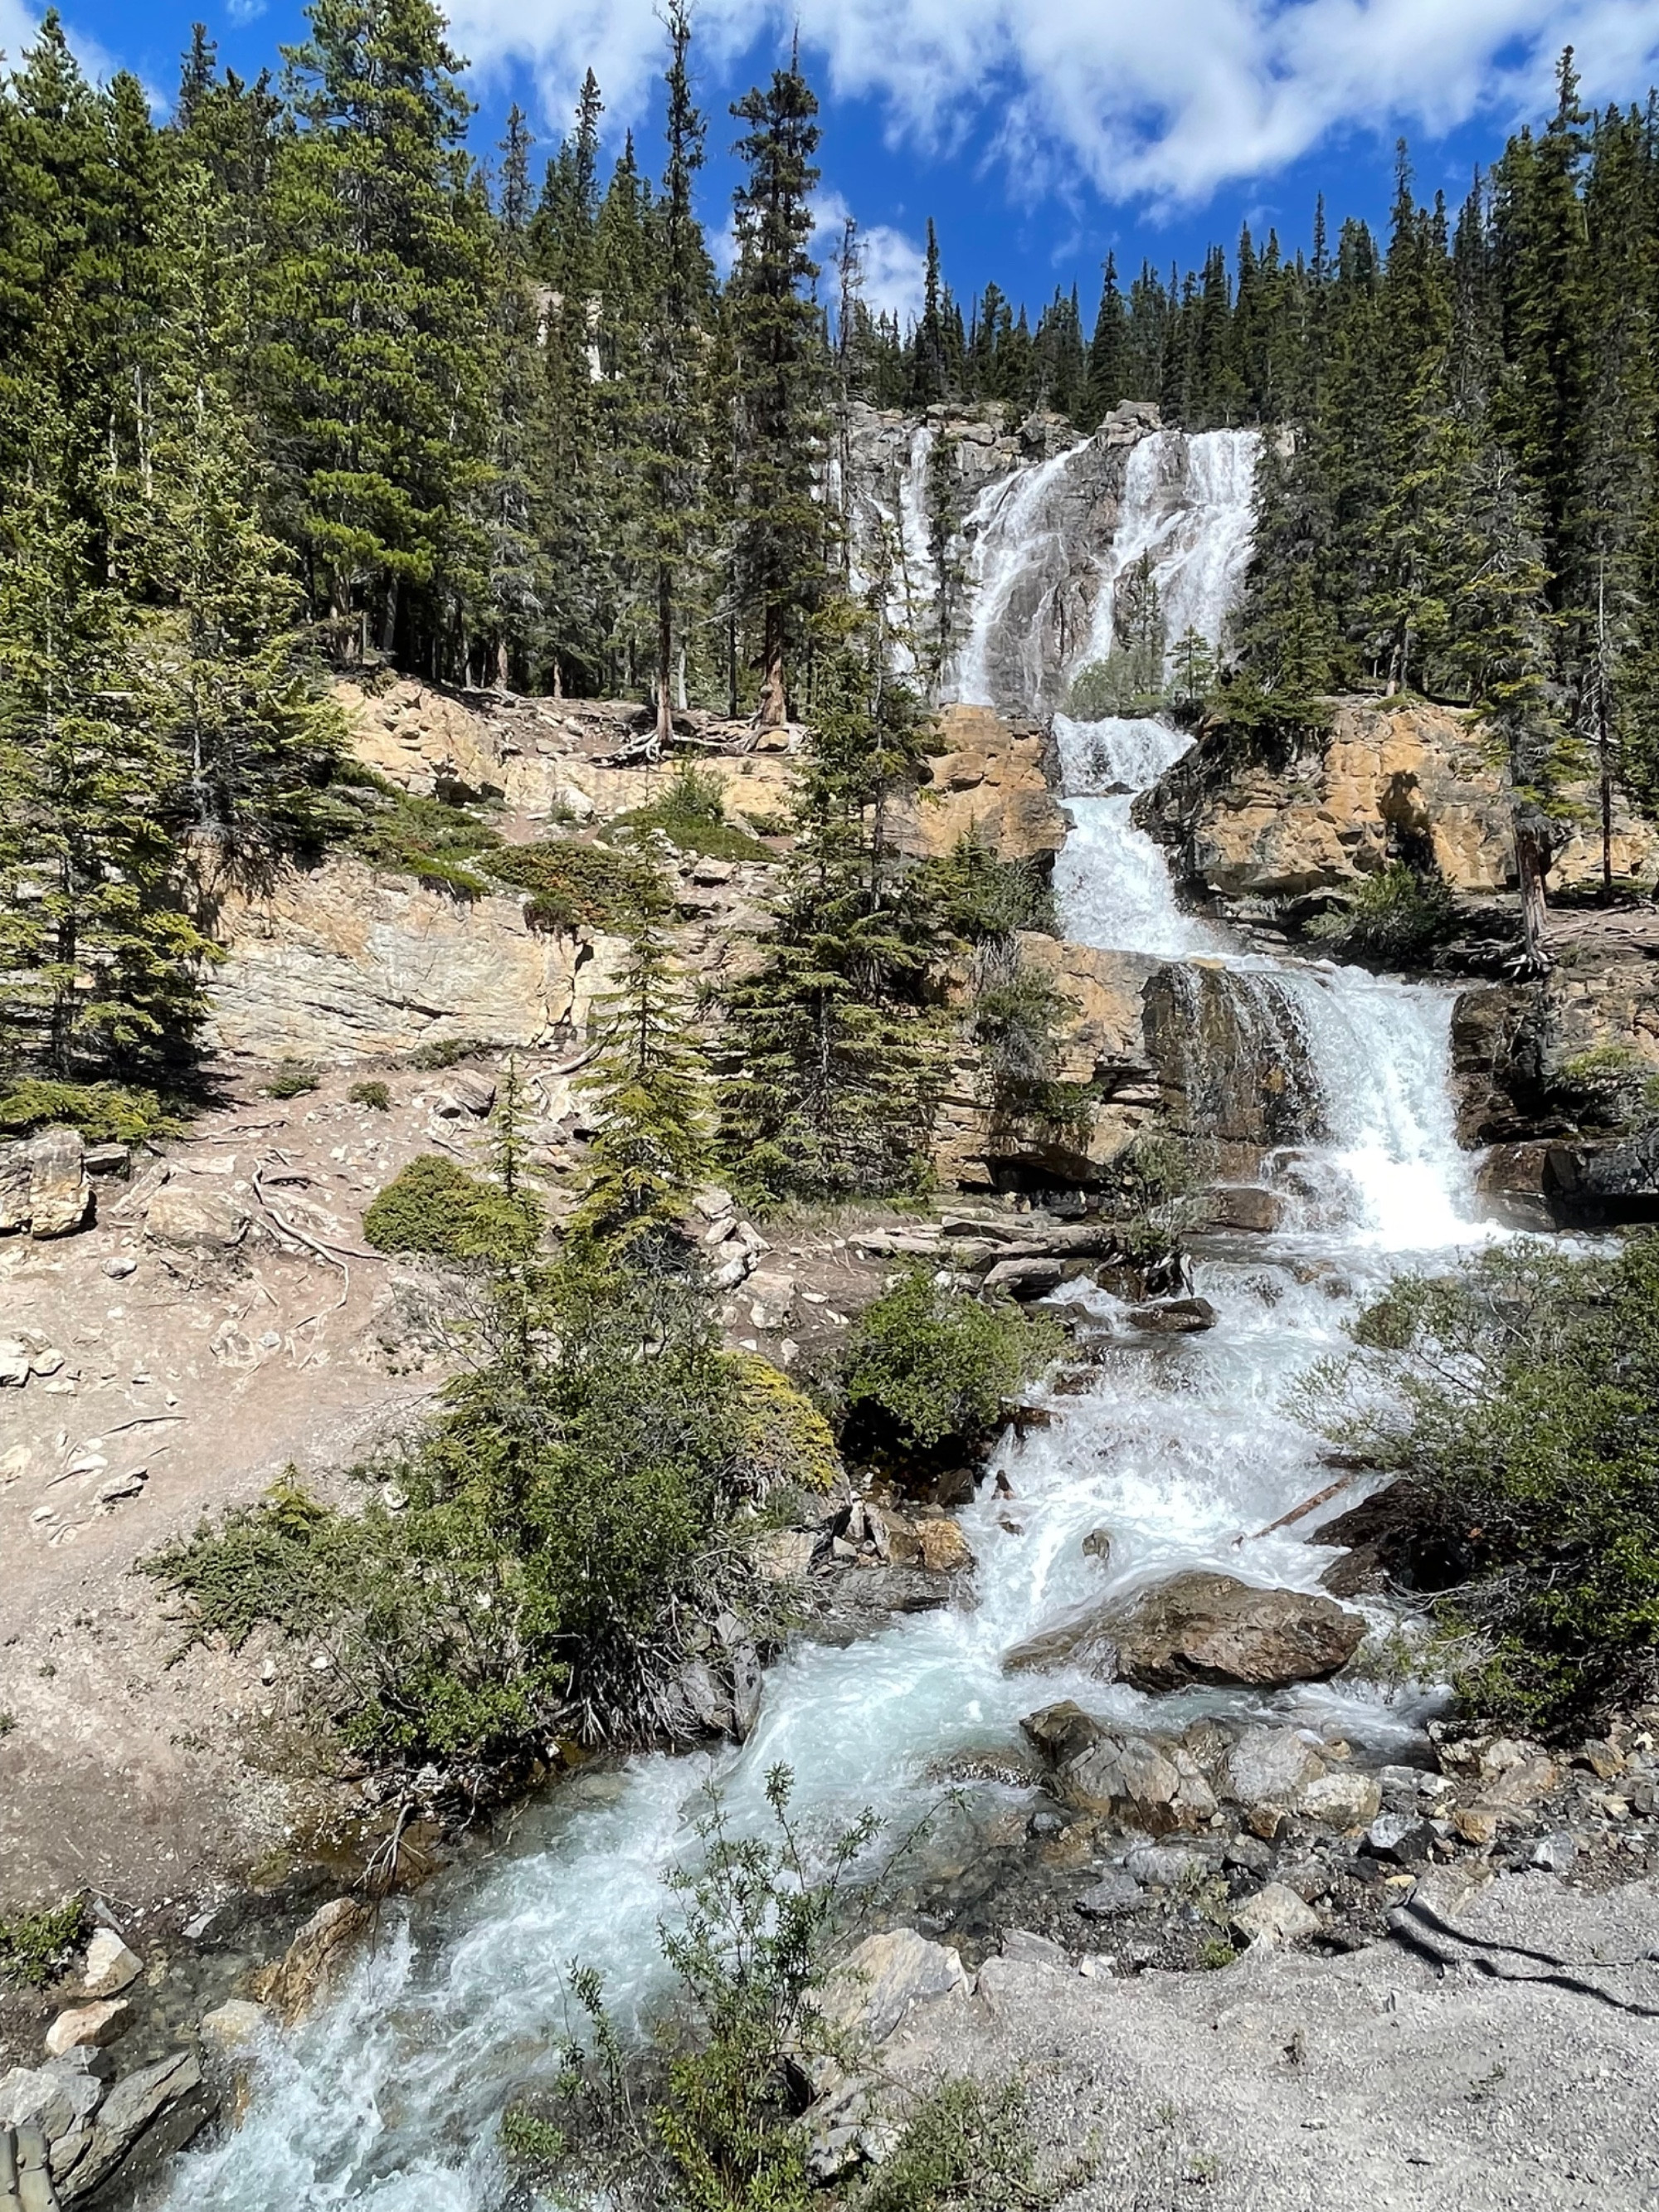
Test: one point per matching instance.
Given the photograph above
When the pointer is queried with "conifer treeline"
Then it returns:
(294, 381)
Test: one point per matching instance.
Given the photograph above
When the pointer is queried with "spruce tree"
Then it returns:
(100, 962)
(779, 370)
(225, 678)
(513, 614)
(378, 303)
(1109, 351)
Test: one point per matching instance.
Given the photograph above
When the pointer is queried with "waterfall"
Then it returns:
(388, 2099)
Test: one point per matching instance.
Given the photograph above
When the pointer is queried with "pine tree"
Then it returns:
(674, 425)
(835, 1058)
(224, 676)
(779, 375)
(513, 615)
(101, 963)
(927, 376)
(1109, 351)
(377, 302)
(649, 1092)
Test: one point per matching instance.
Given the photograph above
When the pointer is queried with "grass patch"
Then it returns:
(104, 1113)
(36, 1947)
(435, 1206)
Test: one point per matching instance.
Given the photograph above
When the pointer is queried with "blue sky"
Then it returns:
(1037, 133)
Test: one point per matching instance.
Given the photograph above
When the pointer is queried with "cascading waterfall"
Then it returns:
(1183, 1449)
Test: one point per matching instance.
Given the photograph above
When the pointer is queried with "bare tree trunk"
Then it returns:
(558, 680)
(771, 709)
(681, 704)
(502, 668)
(664, 730)
(1531, 862)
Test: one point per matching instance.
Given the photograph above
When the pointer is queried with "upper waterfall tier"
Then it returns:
(1046, 549)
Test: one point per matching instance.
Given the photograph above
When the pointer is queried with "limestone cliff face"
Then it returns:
(990, 775)
(343, 963)
(1409, 780)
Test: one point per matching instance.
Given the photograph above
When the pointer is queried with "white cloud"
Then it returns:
(893, 268)
(1160, 103)
(18, 26)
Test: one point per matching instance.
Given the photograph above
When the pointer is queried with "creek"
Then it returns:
(1183, 1449)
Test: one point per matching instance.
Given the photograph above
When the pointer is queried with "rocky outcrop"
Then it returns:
(344, 964)
(1542, 1059)
(988, 775)
(65, 2130)
(43, 1184)
(1200, 1628)
(1321, 812)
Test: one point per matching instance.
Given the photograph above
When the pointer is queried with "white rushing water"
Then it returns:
(1183, 1449)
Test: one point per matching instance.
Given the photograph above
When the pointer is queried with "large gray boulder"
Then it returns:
(43, 1183)
(1136, 1779)
(1201, 1627)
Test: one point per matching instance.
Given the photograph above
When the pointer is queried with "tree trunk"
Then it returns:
(1531, 861)
(664, 734)
(772, 709)
(502, 668)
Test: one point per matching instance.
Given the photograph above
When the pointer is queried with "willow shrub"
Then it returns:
(1520, 1402)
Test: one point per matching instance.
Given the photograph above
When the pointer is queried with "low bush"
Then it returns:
(938, 1365)
(1613, 1086)
(967, 2148)
(1016, 1017)
(690, 812)
(292, 1079)
(104, 1113)
(435, 1206)
(1395, 920)
(574, 886)
(783, 1441)
(373, 1095)
(425, 838)
(36, 1947)
(445, 1052)
(1519, 1403)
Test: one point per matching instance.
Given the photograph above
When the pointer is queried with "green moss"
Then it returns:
(574, 886)
(36, 1947)
(374, 1095)
(783, 1440)
(435, 1206)
(104, 1113)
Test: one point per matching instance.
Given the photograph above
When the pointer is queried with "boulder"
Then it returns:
(1274, 1915)
(110, 1965)
(1136, 1779)
(1345, 1799)
(195, 1220)
(43, 1183)
(145, 2116)
(1165, 1865)
(1113, 1893)
(465, 1091)
(945, 1549)
(1173, 1317)
(864, 1600)
(1403, 1837)
(1026, 1278)
(233, 2026)
(98, 2025)
(1201, 1627)
(1244, 1206)
(874, 1989)
(315, 1959)
(60, 2099)
(1270, 1766)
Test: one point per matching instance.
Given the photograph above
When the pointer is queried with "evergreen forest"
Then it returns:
(296, 383)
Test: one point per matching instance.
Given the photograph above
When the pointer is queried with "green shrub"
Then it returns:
(690, 812)
(783, 1441)
(978, 896)
(1613, 1086)
(941, 1363)
(574, 886)
(1519, 1403)
(1395, 918)
(425, 838)
(104, 1113)
(445, 1052)
(374, 1095)
(36, 1947)
(293, 1079)
(968, 2148)
(435, 1206)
